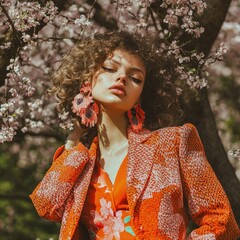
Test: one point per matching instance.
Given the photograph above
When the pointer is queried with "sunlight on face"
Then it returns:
(119, 82)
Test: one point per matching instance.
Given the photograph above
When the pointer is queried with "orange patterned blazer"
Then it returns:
(169, 180)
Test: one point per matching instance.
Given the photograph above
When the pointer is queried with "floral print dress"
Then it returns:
(106, 213)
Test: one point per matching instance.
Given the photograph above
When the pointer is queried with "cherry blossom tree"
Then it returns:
(37, 33)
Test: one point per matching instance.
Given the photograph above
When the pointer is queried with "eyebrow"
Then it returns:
(132, 68)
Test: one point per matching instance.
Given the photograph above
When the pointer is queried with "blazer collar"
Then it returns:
(140, 161)
(143, 135)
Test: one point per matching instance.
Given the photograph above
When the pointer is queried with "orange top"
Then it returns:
(106, 213)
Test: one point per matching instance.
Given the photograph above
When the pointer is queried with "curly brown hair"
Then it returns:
(158, 98)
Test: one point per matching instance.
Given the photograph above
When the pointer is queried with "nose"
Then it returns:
(122, 78)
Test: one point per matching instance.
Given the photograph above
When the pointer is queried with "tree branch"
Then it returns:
(11, 22)
(212, 21)
(7, 54)
(153, 18)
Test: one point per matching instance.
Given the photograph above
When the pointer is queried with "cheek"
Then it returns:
(96, 78)
(100, 79)
(96, 90)
(99, 88)
(136, 93)
(96, 85)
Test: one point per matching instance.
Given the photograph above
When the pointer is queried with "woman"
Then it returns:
(133, 182)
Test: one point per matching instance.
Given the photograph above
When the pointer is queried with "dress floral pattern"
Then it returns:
(106, 214)
(111, 223)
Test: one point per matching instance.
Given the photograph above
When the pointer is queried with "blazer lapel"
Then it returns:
(140, 160)
(76, 200)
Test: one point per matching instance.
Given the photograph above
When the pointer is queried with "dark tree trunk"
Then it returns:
(198, 109)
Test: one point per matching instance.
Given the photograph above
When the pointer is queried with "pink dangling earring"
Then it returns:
(84, 106)
(136, 117)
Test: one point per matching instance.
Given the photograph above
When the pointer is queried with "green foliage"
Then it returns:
(18, 218)
(229, 92)
(233, 128)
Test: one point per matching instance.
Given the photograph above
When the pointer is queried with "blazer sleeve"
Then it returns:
(49, 197)
(208, 204)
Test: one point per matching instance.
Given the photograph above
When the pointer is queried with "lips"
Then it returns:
(118, 89)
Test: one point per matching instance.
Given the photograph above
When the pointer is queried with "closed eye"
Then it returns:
(108, 69)
(136, 80)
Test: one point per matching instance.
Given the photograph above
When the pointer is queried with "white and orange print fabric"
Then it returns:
(106, 213)
(168, 179)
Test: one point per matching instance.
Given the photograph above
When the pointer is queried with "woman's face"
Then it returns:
(119, 82)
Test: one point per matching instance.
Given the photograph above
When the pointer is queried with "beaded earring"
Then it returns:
(84, 106)
(136, 117)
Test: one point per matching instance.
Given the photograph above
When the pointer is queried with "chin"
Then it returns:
(115, 105)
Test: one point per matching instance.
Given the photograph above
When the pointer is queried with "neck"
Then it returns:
(112, 130)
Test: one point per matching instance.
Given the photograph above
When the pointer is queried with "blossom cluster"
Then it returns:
(9, 125)
(5, 45)
(184, 10)
(82, 21)
(26, 15)
(235, 153)
(16, 75)
(66, 123)
(16, 112)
